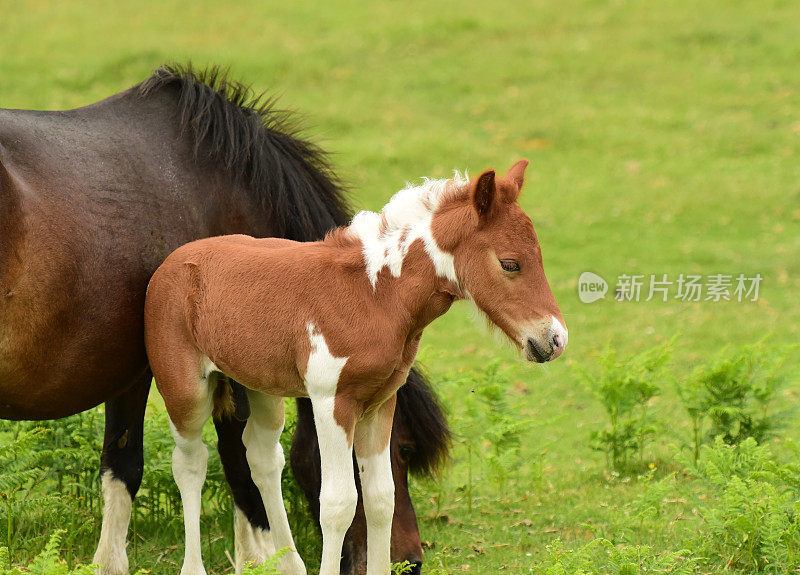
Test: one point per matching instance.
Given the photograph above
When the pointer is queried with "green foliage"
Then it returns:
(625, 388)
(501, 427)
(44, 482)
(647, 511)
(601, 557)
(400, 568)
(732, 394)
(498, 430)
(271, 566)
(751, 520)
(49, 475)
(498, 443)
(48, 562)
(747, 501)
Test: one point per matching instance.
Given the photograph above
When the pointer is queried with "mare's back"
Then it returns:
(103, 147)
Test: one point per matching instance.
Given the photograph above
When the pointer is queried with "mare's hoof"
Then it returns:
(291, 564)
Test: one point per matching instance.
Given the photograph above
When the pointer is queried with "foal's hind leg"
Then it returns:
(265, 455)
(189, 466)
(252, 538)
(187, 395)
(121, 473)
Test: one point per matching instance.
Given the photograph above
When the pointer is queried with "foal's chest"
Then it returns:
(369, 372)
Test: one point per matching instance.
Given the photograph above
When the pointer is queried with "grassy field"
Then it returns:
(664, 138)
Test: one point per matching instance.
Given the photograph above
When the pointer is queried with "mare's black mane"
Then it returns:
(427, 422)
(259, 147)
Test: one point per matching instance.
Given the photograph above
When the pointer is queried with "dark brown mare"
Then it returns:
(91, 201)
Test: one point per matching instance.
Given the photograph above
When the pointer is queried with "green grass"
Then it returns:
(664, 138)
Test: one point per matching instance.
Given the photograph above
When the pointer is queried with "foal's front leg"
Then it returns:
(373, 451)
(262, 437)
(338, 496)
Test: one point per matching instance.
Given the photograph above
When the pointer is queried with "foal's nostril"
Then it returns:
(556, 341)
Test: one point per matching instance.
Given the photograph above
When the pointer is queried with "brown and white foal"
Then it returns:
(338, 321)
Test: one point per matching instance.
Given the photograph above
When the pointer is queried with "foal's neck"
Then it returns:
(400, 253)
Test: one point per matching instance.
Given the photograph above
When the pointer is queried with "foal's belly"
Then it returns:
(282, 381)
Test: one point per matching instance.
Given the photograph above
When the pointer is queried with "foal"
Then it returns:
(261, 312)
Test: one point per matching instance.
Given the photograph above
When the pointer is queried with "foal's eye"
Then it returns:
(509, 265)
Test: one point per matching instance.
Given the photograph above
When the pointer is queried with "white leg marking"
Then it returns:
(251, 544)
(189, 463)
(338, 496)
(110, 554)
(372, 443)
(265, 456)
(207, 366)
(377, 488)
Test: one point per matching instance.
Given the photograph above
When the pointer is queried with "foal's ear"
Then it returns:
(516, 174)
(483, 193)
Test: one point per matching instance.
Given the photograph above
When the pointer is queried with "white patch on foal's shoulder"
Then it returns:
(387, 237)
(323, 369)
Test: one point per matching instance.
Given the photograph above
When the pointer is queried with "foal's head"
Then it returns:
(498, 260)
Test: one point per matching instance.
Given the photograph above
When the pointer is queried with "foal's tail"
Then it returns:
(230, 400)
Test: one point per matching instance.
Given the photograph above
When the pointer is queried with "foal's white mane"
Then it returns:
(387, 236)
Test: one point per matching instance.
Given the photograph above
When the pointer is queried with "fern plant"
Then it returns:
(731, 396)
(752, 515)
(24, 468)
(487, 408)
(48, 562)
(625, 388)
(602, 557)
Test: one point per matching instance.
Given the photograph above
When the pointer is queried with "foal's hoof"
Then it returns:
(193, 569)
(110, 563)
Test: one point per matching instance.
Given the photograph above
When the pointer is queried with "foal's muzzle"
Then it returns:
(546, 343)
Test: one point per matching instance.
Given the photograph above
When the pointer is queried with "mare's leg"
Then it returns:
(261, 438)
(338, 496)
(372, 446)
(121, 473)
(252, 538)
